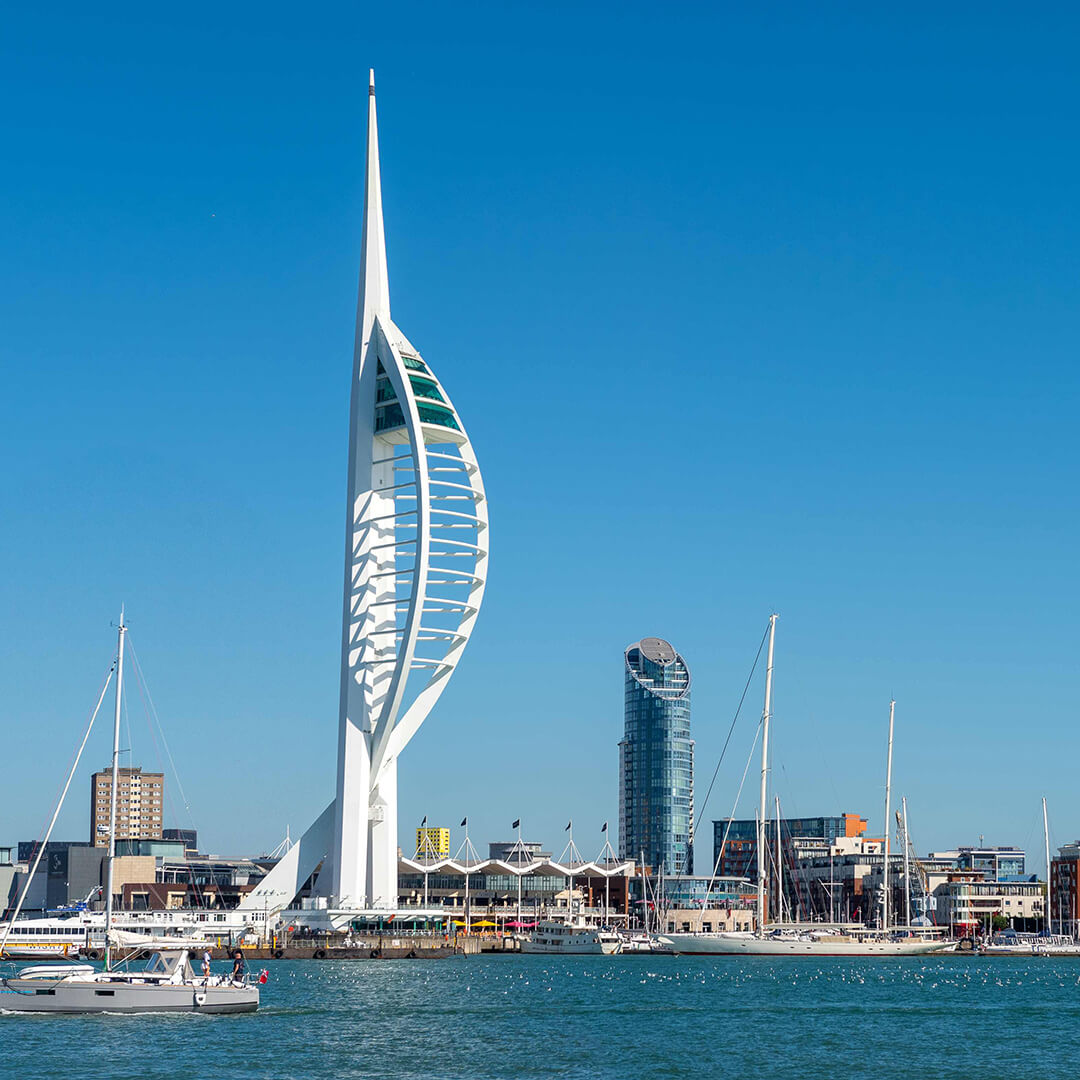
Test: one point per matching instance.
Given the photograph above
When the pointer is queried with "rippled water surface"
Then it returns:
(595, 1017)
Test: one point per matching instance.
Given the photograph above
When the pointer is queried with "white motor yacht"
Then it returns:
(571, 938)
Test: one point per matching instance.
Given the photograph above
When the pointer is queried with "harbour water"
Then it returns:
(495, 1017)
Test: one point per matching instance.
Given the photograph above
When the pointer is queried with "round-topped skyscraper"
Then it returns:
(656, 759)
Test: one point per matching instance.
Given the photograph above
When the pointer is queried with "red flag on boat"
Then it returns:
(263, 976)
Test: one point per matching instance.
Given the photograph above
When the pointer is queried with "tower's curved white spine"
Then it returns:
(415, 567)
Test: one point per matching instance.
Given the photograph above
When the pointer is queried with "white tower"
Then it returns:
(415, 561)
(415, 565)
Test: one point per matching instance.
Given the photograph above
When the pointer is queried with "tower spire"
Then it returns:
(374, 282)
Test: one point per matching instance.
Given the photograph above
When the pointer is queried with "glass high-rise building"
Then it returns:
(656, 759)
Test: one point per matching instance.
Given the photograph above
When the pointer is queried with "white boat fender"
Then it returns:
(200, 998)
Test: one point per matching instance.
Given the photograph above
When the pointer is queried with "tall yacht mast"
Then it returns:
(115, 787)
(1046, 843)
(766, 716)
(779, 867)
(888, 824)
(907, 865)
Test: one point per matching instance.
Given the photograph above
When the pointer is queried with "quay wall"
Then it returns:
(365, 947)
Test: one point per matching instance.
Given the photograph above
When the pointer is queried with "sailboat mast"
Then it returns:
(1046, 841)
(779, 867)
(907, 864)
(888, 828)
(765, 717)
(115, 788)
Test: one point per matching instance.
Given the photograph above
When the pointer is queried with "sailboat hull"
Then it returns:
(799, 945)
(30, 995)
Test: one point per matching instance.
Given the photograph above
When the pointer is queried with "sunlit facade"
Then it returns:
(656, 760)
(416, 553)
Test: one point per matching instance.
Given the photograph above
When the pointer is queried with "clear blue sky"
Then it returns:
(743, 311)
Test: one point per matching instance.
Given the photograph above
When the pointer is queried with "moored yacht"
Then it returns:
(571, 937)
(811, 940)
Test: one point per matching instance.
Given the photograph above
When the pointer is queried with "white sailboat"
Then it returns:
(811, 939)
(166, 984)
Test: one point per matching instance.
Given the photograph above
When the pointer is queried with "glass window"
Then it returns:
(425, 388)
(432, 414)
(389, 417)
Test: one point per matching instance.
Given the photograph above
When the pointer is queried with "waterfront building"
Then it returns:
(804, 843)
(7, 880)
(189, 837)
(1065, 890)
(512, 850)
(139, 806)
(505, 892)
(843, 883)
(70, 872)
(684, 903)
(416, 552)
(735, 841)
(968, 903)
(656, 759)
(990, 863)
(432, 842)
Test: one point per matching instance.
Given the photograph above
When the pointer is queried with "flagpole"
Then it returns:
(607, 880)
(466, 823)
(520, 850)
(423, 854)
(570, 900)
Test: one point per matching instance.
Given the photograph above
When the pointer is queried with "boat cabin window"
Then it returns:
(157, 964)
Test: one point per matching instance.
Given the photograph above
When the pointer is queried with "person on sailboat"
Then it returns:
(238, 967)
(206, 964)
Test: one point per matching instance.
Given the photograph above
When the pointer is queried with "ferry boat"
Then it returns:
(571, 938)
(82, 934)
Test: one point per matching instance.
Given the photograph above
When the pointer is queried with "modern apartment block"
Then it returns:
(1065, 889)
(432, 842)
(656, 759)
(992, 863)
(735, 842)
(138, 806)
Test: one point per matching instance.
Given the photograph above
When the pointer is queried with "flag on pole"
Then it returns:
(424, 822)
(517, 824)
(464, 822)
(569, 826)
(604, 829)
